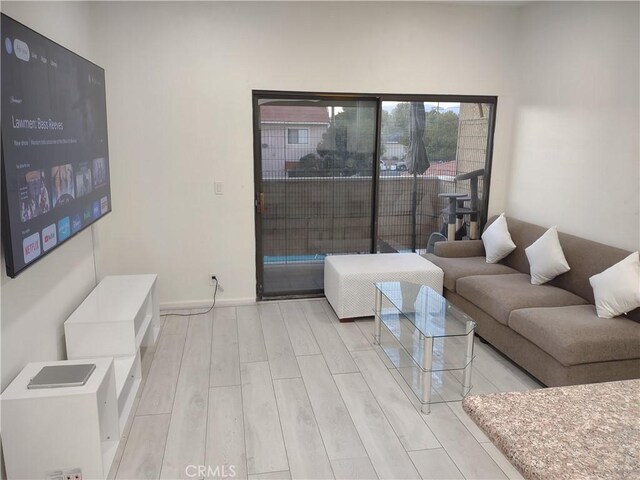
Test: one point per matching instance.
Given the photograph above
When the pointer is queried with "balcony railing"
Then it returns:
(329, 215)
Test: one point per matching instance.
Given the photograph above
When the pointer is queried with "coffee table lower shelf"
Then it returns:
(436, 369)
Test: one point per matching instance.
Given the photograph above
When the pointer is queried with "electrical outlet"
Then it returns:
(67, 474)
(213, 278)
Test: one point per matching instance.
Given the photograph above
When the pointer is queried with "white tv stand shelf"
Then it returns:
(61, 429)
(78, 429)
(118, 317)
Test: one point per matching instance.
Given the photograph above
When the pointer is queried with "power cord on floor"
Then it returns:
(215, 292)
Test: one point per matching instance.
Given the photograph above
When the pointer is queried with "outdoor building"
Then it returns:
(288, 134)
(472, 136)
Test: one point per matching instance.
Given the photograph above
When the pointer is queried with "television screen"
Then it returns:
(55, 157)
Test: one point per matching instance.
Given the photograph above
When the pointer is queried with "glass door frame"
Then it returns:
(258, 95)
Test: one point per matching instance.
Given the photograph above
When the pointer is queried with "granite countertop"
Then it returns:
(583, 431)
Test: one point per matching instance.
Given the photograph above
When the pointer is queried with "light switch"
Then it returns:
(219, 188)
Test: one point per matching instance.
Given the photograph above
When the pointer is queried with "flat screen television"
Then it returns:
(55, 156)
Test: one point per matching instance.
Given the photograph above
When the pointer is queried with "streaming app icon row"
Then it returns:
(32, 248)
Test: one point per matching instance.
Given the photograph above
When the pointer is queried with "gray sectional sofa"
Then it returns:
(550, 330)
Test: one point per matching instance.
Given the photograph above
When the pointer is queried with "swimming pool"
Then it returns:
(317, 258)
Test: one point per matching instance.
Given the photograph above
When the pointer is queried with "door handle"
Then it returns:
(260, 203)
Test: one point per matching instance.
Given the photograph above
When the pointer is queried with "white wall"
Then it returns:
(576, 151)
(179, 82)
(36, 303)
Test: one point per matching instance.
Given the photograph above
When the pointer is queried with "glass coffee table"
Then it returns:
(428, 341)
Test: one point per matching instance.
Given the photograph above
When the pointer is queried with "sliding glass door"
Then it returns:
(348, 174)
(315, 188)
(455, 141)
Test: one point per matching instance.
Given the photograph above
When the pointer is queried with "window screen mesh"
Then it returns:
(317, 164)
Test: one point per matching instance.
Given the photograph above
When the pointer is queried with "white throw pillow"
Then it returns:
(546, 258)
(497, 240)
(617, 289)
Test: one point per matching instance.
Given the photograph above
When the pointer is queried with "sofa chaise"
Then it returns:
(550, 330)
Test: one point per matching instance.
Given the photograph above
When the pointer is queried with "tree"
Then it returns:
(386, 126)
(348, 145)
(397, 128)
(440, 136)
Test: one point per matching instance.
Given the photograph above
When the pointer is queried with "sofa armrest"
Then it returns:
(460, 248)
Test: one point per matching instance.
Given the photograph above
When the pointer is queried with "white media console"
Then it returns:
(118, 317)
(121, 315)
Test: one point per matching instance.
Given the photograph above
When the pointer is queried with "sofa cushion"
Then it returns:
(455, 268)
(575, 335)
(617, 289)
(497, 241)
(499, 295)
(586, 258)
(546, 258)
(459, 248)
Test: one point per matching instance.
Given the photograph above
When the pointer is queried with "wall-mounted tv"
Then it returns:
(55, 156)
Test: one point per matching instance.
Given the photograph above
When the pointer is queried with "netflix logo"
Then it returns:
(31, 247)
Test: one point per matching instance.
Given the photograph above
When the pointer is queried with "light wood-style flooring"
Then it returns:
(282, 390)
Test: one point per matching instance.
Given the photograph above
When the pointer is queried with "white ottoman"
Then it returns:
(349, 279)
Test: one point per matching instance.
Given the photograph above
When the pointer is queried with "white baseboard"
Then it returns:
(187, 304)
